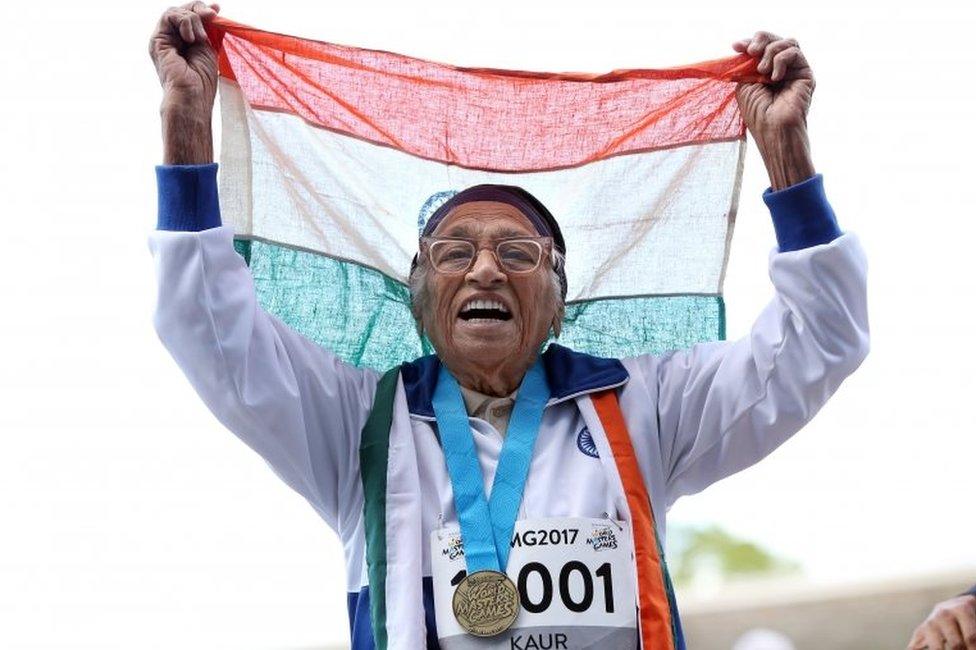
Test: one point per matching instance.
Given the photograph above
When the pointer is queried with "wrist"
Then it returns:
(786, 154)
(187, 132)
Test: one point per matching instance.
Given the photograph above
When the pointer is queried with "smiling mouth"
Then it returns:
(485, 314)
(484, 310)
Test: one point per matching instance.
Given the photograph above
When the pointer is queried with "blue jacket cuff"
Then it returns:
(801, 215)
(971, 592)
(187, 197)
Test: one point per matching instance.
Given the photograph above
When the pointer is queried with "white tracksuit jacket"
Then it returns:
(695, 416)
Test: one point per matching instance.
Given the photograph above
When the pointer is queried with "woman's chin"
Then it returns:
(485, 343)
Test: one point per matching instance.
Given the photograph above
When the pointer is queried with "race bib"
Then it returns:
(576, 583)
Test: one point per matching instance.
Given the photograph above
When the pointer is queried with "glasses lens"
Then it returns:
(451, 256)
(520, 256)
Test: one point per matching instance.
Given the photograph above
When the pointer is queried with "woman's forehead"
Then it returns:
(480, 218)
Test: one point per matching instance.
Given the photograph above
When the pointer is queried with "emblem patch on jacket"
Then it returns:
(584, 440)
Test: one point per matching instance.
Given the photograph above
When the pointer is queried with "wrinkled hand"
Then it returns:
(784, 104)
(184, 59)
(187, 67)
(776, 113)
(952, 624)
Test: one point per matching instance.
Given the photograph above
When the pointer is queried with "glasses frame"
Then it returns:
(544, 243)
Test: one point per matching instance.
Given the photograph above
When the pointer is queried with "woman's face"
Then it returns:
(522, 305)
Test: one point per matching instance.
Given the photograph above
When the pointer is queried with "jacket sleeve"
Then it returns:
(723, 406)
(294, 403)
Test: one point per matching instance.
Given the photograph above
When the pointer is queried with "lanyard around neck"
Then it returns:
(487, 524)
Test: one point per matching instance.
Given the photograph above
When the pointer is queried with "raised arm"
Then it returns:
(297, 405)
(723, 406)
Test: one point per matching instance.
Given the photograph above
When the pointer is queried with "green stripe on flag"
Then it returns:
(357, 313)
(363, 316)
(627, 327)
(243, 248)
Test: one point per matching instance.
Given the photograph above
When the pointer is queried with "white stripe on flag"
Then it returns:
(655, 222)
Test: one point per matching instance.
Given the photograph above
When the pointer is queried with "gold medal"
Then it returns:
(486, 603)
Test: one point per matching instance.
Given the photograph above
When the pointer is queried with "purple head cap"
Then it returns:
(545, 224)
(514, 196)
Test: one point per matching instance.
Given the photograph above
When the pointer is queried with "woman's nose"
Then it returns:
(485, 269)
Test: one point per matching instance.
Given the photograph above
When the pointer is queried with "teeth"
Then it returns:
(485, 304)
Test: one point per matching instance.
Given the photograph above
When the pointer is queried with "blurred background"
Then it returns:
(131, 519)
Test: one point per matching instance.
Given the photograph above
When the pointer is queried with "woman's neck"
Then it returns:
(497, 381)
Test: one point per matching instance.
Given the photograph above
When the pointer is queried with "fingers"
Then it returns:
(205, 11)
(187, 24)
(195, 21)
(771, 50)
(968, 628)
(183, 23)
(759, 42)
(187, 21)
(949, 629)
(932, 639)
(917, 642)
(966, 618)
(780, 58)
(954, 623)
(926, 637)
(789, 59)
(178, 27)
(963, 614)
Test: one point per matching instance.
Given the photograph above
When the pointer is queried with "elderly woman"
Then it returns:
(496, 495)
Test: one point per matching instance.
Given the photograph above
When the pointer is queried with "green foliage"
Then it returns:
(712, 550)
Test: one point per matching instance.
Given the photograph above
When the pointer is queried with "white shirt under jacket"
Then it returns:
(695, 415)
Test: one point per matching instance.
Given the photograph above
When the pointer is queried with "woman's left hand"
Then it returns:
(783, 104)
(776, 113)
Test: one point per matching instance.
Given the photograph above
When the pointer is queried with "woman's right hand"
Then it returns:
(187, 68)
(952, 624)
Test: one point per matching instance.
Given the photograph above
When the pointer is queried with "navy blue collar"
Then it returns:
(568, 373)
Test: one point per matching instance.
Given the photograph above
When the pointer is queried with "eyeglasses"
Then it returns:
(455, 255)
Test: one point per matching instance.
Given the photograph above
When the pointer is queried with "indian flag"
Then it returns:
(333, 157)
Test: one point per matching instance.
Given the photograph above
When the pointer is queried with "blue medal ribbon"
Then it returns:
(487, 524)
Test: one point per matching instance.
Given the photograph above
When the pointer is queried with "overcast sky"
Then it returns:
(132, 519)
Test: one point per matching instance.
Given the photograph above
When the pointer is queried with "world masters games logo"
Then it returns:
(454, 547)
(602, 538)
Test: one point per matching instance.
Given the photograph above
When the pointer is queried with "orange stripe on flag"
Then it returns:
(655, 613)
(480, 118)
